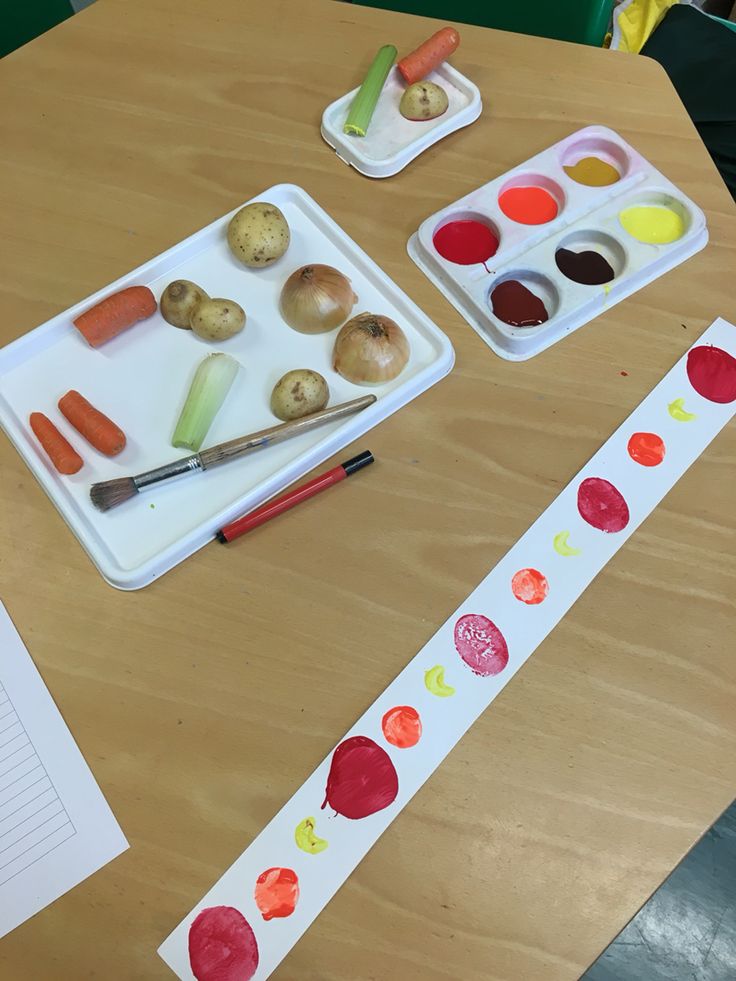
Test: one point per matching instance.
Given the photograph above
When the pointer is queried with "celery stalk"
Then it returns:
(364, 103)
(210, 385)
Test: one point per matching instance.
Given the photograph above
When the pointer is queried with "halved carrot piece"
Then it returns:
(115, 314)
(97, 429)
(58, 449)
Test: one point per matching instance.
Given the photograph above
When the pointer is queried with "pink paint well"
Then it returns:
(712, 373)
(222, 946)
(602, 505)
(362, 779)
(481, 644)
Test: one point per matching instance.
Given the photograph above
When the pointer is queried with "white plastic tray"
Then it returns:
(588, 219)
(140, 380)
(392, 141)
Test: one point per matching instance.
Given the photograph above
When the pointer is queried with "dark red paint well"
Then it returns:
(589, 268)
(602, 505)
(222, 946)
(712, 373)
(517, 306)
(465, 242)
(362, 779)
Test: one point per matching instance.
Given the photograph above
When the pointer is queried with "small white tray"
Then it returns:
(588, 218)
(140, 380)
(392, 141)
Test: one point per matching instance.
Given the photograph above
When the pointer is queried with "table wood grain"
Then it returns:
(203, 702)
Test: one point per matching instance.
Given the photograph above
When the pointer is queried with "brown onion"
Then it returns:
(369, 349)
(316, 299)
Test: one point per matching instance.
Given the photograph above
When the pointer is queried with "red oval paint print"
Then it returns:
(646, 449)
(481, 644)
(277, 893)
(712, 373)
(222, 946)
(362, 779)
(602, 505)
(402, 726)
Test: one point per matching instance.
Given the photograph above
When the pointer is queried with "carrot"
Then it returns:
(417, 65)
(96, 428)
(115, 314)
(61, 453)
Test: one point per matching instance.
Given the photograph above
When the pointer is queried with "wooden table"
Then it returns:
(203, 702)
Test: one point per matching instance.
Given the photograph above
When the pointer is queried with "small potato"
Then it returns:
(299, 393)
(217, 319)
(423, 100)
(179, 301)
(258, 234)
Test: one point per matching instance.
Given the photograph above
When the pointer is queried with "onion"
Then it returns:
(316, 299)
(370, 348)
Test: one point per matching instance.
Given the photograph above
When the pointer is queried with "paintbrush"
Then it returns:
(110, 493)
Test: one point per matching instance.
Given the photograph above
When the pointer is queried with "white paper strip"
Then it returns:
(260, 907)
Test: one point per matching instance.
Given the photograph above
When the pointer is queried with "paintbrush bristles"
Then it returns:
(109, 493)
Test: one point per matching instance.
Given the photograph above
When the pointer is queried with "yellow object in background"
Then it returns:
(634, 21)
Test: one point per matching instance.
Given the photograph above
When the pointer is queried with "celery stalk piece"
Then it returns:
(210, 385)
(364, 103)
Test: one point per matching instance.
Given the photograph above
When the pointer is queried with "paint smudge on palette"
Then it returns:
(712, 373)
(588, 268)
(528, 205)
(481, 644)
(562, 547)
(306, 839)
(277, 893)
(593, 172)
(647, 449)
(362, 779)
(516, 305)
(652, 224)
(222, 946)
(677, 410)
(529, 586)
(466, 242)
(434, 682)
(402, 726)
(602, 505)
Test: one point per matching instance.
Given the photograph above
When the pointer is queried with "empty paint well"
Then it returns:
(466, 239)
(595, 162)
(523, 299)
(591, 258)
(531, 199)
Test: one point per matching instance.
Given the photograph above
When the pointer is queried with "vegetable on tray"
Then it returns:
(364, 104)
(217, 319)
(97, 429)
(58, 449)
(428, 56)
(299, 393)
(115, 314)
(370, 349)
(179, 301)
(423, 100)
(258, 234)
(210, 385)
(317, 298)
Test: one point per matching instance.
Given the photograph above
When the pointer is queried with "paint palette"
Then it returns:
(543, 249)
(391, 141)
(140, 379)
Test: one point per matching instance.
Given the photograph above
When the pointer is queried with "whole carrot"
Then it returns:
(417, 65)
(61, 453)
(96, 428)
(115, 314)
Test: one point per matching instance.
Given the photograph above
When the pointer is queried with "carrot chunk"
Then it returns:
(115, 314)
(96, 428)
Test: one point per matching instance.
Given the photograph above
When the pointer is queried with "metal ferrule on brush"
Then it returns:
(177, 468)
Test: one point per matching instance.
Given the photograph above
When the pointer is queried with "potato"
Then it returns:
(217, 319)
(423, 100)
(299, 393)
(258, 234)
(179, 301)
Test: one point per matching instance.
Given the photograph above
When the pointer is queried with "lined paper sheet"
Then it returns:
(55, 826)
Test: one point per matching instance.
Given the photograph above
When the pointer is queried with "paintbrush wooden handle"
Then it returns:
(236, 447)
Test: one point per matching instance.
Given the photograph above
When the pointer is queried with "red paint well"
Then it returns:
(602, 505)
(648, 449)
(517, 306)
(712, 373)
(465, 242)
(362, 779)
(528, 205)
(222, 946)
(481, 644)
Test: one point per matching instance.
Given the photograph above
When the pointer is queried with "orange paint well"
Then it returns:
(648, 449)
(529, 586)
(402, 726)
(277, 893)
(528, 205)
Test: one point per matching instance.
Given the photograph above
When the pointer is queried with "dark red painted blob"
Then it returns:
(516, 305)
(481, 644)
(465, 242)
(222, 946)
(589, 268)
(362, 779)
(712, 373)
(602, 505)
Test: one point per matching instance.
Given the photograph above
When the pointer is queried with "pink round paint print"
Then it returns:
(481, 644)
(222, 946)
(602, 505)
